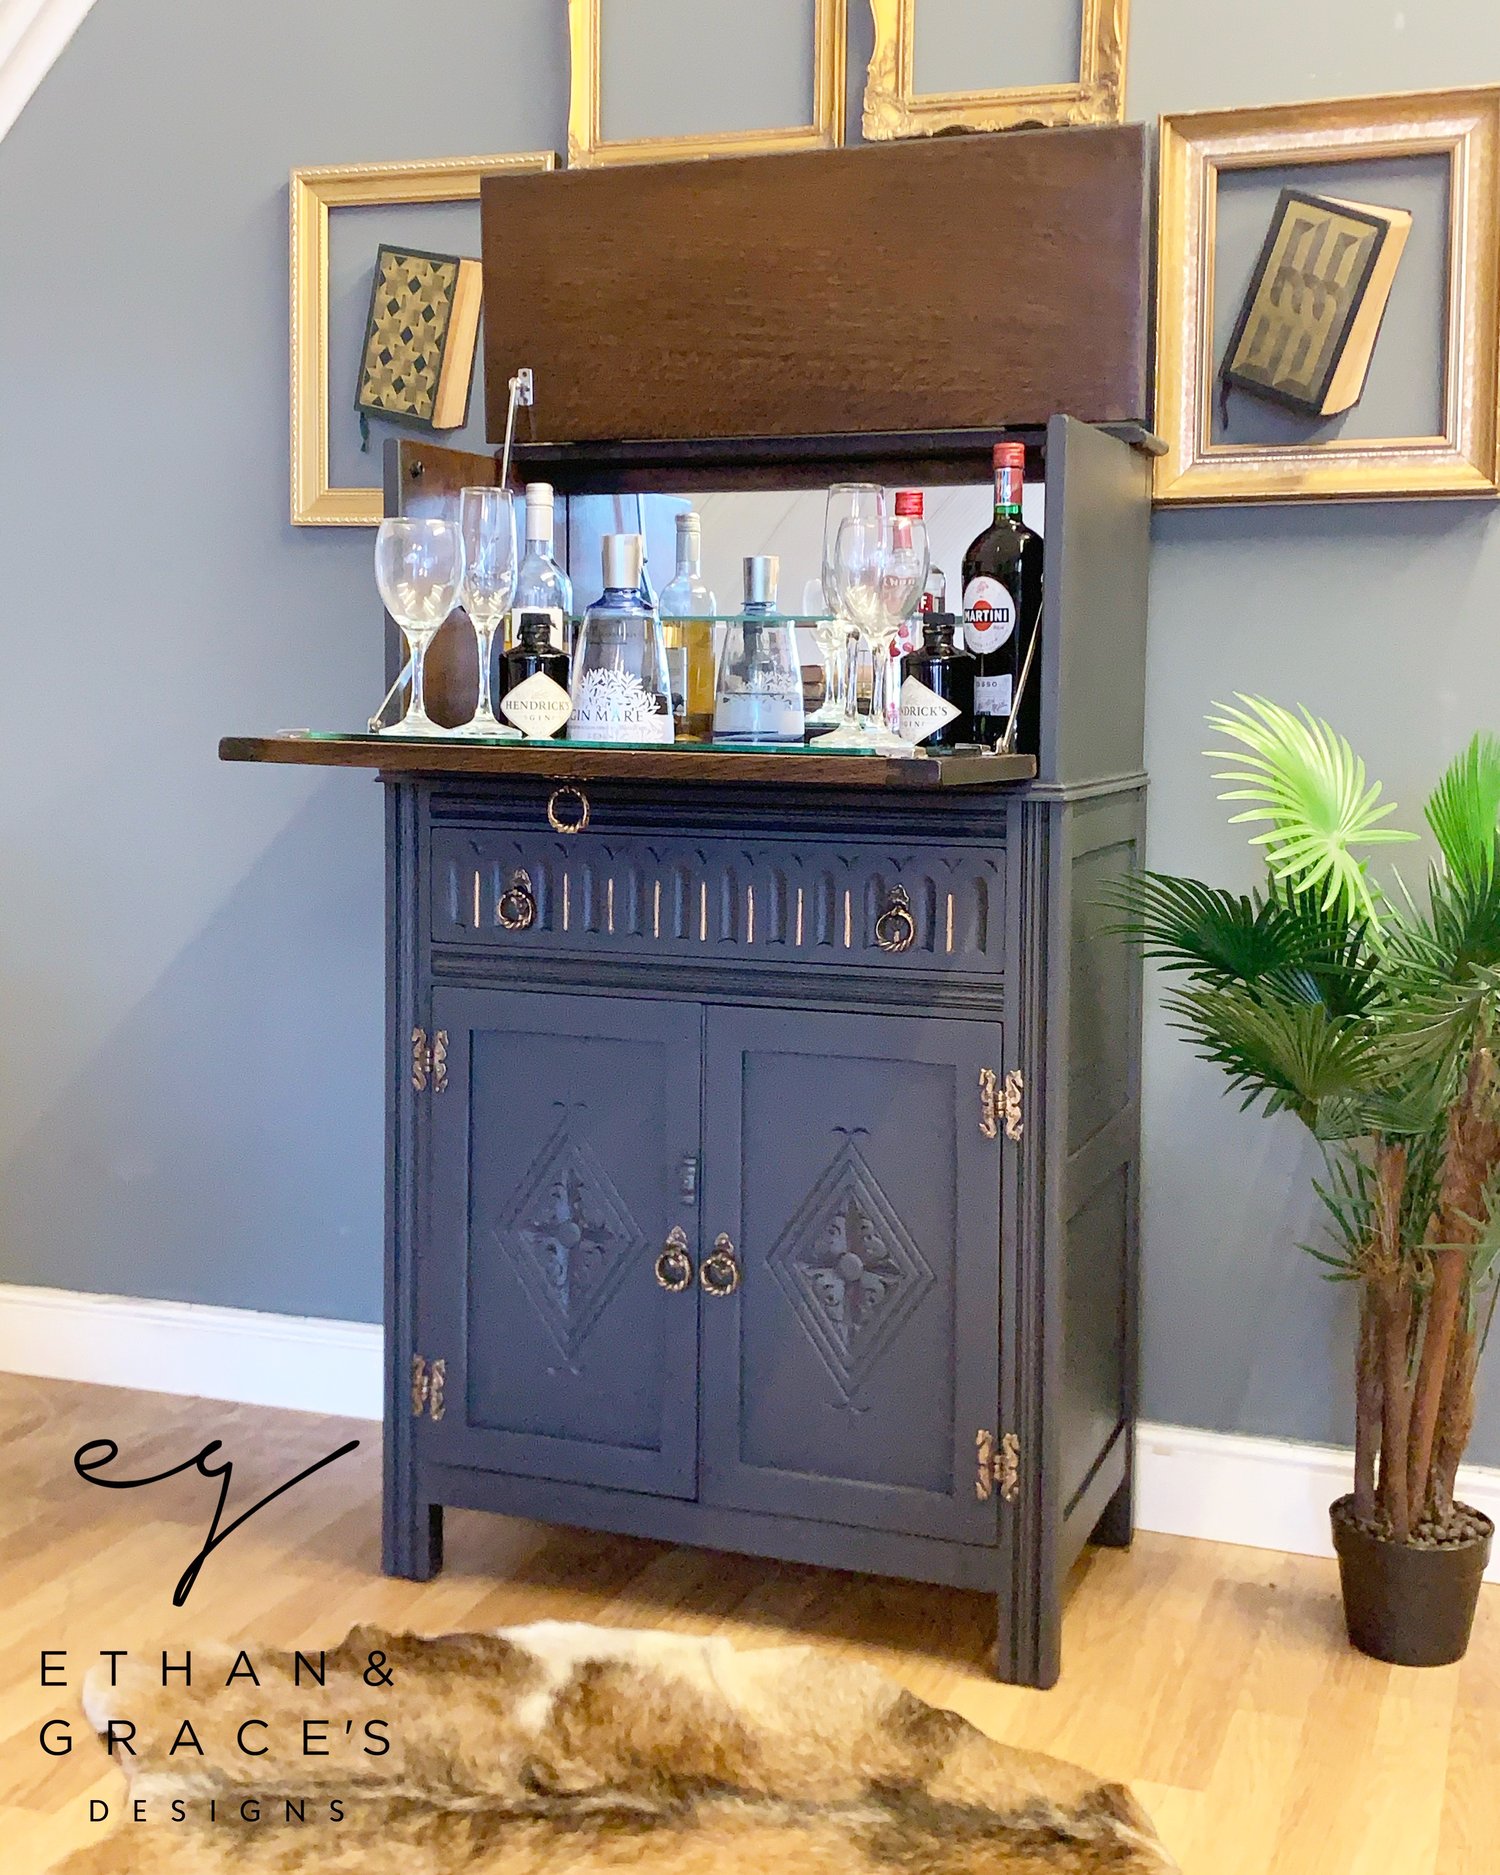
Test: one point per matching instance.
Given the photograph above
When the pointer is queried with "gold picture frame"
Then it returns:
(894, 109)
(1196, 148)
(314, 193)
(589, 148)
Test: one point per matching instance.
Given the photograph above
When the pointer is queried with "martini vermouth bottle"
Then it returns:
(620, 687)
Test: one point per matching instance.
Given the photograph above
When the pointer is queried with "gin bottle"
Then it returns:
(620, 688)
(541, 584)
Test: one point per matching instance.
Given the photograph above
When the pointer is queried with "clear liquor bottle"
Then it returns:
(619, 682)
(541, 584)
(687, 615)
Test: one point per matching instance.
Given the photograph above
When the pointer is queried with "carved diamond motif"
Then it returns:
(570, 1236)
(850, 1269)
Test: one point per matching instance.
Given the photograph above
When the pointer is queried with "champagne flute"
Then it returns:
(487, 521)
(419, 567)
(853, 522)
(904, 563)
(828, 634)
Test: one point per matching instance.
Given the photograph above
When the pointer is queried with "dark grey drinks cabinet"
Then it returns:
(763, 1144)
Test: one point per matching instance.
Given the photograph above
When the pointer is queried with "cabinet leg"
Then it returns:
(1116, 1525)
(414, 1542)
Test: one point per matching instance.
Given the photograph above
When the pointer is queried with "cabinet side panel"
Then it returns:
(1096, 564)
(1098, 1213)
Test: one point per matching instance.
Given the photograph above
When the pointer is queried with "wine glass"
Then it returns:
(487, 521)
(419, 567)
(904, 562)
(853, 524)
(828, 635)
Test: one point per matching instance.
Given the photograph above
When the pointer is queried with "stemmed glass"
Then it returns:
(904, 563)
(487, 521)
(419, 567)
(853, 529)
(828, 634)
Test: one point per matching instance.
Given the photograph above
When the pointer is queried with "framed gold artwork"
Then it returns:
(1425, 423)
(315, 194)
(588, 145)
(895, 107)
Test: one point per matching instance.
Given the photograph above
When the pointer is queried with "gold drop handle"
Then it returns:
(517, 908)
(567, 809)
(719, 1272)
(895, 928)
(674, 1267)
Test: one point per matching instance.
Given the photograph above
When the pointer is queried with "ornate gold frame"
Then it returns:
(893, 109)
(313, 193)
(1195, 148)
(588, 148)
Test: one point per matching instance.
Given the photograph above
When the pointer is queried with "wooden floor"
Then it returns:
(1216, 1681)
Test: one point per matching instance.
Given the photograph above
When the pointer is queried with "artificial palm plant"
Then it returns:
(1373, 1017)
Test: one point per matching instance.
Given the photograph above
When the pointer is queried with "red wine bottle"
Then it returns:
(1002, 597)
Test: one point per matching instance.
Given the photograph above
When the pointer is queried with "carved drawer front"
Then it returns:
(881, 904)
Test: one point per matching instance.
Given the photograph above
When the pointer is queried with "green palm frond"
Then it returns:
(1296, 1058)
(1288, 947)
(1305, 779)
(1463, 811)
(1188, 926)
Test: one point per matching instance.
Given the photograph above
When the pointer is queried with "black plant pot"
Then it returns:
(1412, 1607)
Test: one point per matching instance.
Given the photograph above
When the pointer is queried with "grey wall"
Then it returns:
(190, 957)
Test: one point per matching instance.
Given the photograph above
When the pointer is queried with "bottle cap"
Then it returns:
(538, 494)
(623, 555)
(909, 503)
(536, 631)
(689, 521)
(1010, 456)
(939, 624)
(762, 570)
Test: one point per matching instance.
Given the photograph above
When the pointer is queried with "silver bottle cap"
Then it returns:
(762, 570)
(623, 555)
(539, 511)
(690, 522)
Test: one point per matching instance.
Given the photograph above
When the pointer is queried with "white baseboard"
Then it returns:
(1263, 1493)
(1222, 1486)
(299, 1361)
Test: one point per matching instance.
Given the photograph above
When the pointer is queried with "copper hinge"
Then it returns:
(1013, 1104)
(429, 1061)
(427, 1387)
(997, 1470)
(989, 1105)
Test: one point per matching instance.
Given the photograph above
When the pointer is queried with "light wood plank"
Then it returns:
(1216, 1681)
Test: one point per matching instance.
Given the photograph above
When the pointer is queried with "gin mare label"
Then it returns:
(923, 711)
(538, 707)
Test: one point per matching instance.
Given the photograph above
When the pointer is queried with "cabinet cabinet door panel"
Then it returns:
(846, 1376)
(556, 1176)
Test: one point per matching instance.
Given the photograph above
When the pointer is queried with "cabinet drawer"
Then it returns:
(883, 904)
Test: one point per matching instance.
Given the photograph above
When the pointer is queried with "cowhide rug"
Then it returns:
(559, 1748)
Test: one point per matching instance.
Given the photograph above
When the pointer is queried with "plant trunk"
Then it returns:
(1455, 1419)
(1470, 1150)
(1391, 1282)
(1449, 1270)
(1367, 1403)
(1395, 1337)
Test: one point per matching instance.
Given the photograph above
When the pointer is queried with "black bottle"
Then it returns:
(948, 673)
(1002, 587)
(535, 655)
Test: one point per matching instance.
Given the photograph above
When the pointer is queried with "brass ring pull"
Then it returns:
(577, 816)
(674, 1267)
(895, 928)
(517, 907)
(719, 1272)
